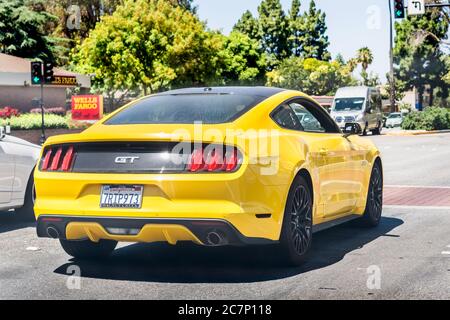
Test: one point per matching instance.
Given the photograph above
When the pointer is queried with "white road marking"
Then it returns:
(445, 252)
(388, 206)
(423, 187)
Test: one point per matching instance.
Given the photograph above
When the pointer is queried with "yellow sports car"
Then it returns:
(215, 166)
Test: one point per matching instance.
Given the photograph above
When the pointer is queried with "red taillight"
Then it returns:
(67, 161)
(215, 161)
(46, 161)
(56, 158)
(196, 162)
(54, 163)
(231, 160)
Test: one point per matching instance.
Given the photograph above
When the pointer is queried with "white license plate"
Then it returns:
(128, 196)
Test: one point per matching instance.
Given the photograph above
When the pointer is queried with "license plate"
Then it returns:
(121, 196)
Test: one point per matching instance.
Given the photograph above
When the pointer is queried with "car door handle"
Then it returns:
(323, 152)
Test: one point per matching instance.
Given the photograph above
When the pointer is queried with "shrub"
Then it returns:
(57, 110)
(434, 118)
(8, 112)
(32, 121)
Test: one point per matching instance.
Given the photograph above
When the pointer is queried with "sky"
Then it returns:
(352, 24)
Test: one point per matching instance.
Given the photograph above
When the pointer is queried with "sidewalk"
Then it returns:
(400, 132)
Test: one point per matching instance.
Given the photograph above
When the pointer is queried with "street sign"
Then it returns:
(416, 7)
(64, 81)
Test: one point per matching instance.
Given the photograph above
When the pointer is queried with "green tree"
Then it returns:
(365, 58)
(417, 55)
(248, 25)
(23, 30)
(315, 41)
(149, 45)
(296, 29)
(243, 62)
(311, 75)
(274, 29)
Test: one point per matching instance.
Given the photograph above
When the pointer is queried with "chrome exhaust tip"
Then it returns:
(215, 238)
(52, 232)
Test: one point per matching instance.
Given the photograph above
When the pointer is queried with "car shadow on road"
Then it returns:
(9, 221)
(189, 263)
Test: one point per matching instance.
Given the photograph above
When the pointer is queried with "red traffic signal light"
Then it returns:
(399, 9)
(36, 72)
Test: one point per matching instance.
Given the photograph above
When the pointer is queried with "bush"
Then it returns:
(434, 118)
(8, 112)
(32, 121)
(57, 110)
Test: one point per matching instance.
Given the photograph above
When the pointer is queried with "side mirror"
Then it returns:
(352, 129)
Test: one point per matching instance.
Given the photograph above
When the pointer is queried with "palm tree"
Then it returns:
(365, 57)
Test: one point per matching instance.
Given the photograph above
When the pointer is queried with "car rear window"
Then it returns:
(186, 108)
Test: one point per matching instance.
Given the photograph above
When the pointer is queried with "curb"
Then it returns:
(416, 133)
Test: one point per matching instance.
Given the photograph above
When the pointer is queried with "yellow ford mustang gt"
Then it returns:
(215, 166)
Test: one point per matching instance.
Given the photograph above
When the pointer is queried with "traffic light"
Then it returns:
(48, 72)
(399, 9)
(36, 72)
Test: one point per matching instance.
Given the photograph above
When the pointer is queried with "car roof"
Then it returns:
(252, 91)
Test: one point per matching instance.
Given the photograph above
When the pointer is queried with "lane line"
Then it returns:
(391, 206)
(419, 187)
(445, 252)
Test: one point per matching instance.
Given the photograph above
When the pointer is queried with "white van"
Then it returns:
(360, 105)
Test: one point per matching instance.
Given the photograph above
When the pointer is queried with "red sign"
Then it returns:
(87, 107)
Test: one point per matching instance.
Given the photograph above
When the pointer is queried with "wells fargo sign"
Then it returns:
(87, 107)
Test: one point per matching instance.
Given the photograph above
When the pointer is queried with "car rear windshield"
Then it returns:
(186, 108)
(348, 104)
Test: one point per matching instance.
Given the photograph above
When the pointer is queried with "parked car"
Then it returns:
(17, 161)
(360, 105)
(149, 173)
(395, 119)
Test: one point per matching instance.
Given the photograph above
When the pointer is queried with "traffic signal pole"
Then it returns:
(391, 62)
(42, 114)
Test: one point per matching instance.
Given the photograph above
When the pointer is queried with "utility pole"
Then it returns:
(391, 58)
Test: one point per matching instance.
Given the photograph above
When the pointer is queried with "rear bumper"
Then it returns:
(210, 232)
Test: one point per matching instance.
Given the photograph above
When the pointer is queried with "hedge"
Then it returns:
(30, 121)
(434, 118)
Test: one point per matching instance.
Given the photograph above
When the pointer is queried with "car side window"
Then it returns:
(286, 118)
(301, 114)
(308, 121)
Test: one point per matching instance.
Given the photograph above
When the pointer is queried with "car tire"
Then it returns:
(296, 232)
(26, 212)
(86, 249)
(374, 202)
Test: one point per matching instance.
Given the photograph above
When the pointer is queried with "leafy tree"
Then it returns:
(315, 41)
(149, 45)
(310, 75)
(23, 30)
(248, 25)
(274, 29)
(243, 62)
(296, 29)
(420, 64)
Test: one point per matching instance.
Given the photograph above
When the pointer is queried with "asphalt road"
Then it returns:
(406, 257)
